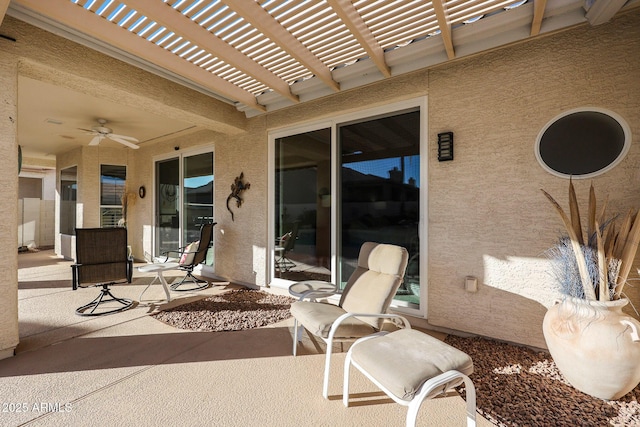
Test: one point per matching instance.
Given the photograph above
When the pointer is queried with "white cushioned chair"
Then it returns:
(363, 304)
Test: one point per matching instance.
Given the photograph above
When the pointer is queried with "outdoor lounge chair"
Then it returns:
(191, 256)
(363, 303)
(102, 260)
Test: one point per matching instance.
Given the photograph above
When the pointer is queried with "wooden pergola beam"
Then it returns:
(445, 27)
(539, 7)
(4, 5)
(354, 22)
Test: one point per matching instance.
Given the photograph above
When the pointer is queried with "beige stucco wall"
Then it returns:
(9, 208)
(486, 215)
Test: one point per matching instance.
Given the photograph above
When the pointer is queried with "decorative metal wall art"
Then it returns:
(237, 188)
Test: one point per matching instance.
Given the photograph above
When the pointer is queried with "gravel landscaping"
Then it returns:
(517, 386)
(231, 311)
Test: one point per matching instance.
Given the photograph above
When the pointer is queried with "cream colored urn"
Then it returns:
(595, 345)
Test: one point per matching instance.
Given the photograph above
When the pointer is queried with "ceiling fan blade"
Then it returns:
(86, 130)
(96, 140)
(128, 138)
(122, 141)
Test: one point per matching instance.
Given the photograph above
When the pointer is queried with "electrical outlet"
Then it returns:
(471, 284)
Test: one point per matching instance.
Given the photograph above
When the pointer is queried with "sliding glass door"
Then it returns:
(380, 191)
(340, 186)
(184, 200)
(167, 205)
(303, 206)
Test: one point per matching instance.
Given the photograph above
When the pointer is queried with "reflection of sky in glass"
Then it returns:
(381, 167)
(197, 181)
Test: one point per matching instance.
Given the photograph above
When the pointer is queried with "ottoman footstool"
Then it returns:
(410, 367)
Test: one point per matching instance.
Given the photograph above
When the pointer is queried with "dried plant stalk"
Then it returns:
(603, 284)
(574, 211)
(606, 255)
(631, 242)
(592, 225)
(622, 235)
(587, 285)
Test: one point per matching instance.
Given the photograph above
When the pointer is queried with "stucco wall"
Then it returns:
(9, 209)
(487, 216)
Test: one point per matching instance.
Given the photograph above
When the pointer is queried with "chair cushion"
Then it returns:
(402, 361)
(372, 286)
(284, 238)
(189, 253)
(318, 317)
(369, 294)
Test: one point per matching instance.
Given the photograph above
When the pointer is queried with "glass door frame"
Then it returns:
(180, 156)
(333, 123)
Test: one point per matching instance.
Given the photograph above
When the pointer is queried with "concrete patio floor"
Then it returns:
(129, 369)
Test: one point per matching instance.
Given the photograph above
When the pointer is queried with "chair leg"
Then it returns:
(191, 278)
(440, 381)
(327, 368)
(295, 336)
(345, 384)
(105, 296)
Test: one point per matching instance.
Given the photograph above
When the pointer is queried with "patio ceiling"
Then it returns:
(267, 54)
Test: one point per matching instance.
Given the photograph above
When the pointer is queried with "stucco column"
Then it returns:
(9, 208)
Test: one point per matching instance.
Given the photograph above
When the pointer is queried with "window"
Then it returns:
(113, 206)
(583, 143)
(68, 194)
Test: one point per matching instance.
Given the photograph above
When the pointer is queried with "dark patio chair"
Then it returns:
(191, 256)
(102, 260)
(285, 245)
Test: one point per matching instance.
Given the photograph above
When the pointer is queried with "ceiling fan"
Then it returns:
(101, 132)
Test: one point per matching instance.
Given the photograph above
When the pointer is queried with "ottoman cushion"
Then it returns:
(404, 360)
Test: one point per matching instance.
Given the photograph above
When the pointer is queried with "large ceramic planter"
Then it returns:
(595, 346)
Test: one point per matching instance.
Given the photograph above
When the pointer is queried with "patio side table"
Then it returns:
(312, 289)
(158, 268)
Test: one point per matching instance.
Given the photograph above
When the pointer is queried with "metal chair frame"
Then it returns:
(206, 235)
(102, 260)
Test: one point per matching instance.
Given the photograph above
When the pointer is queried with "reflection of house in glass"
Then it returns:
(374, 208)
(378, 209)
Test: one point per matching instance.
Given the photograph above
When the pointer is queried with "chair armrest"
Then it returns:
(179, 251)
(339, 320)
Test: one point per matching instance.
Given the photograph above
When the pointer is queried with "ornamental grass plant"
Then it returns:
(594, 263)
